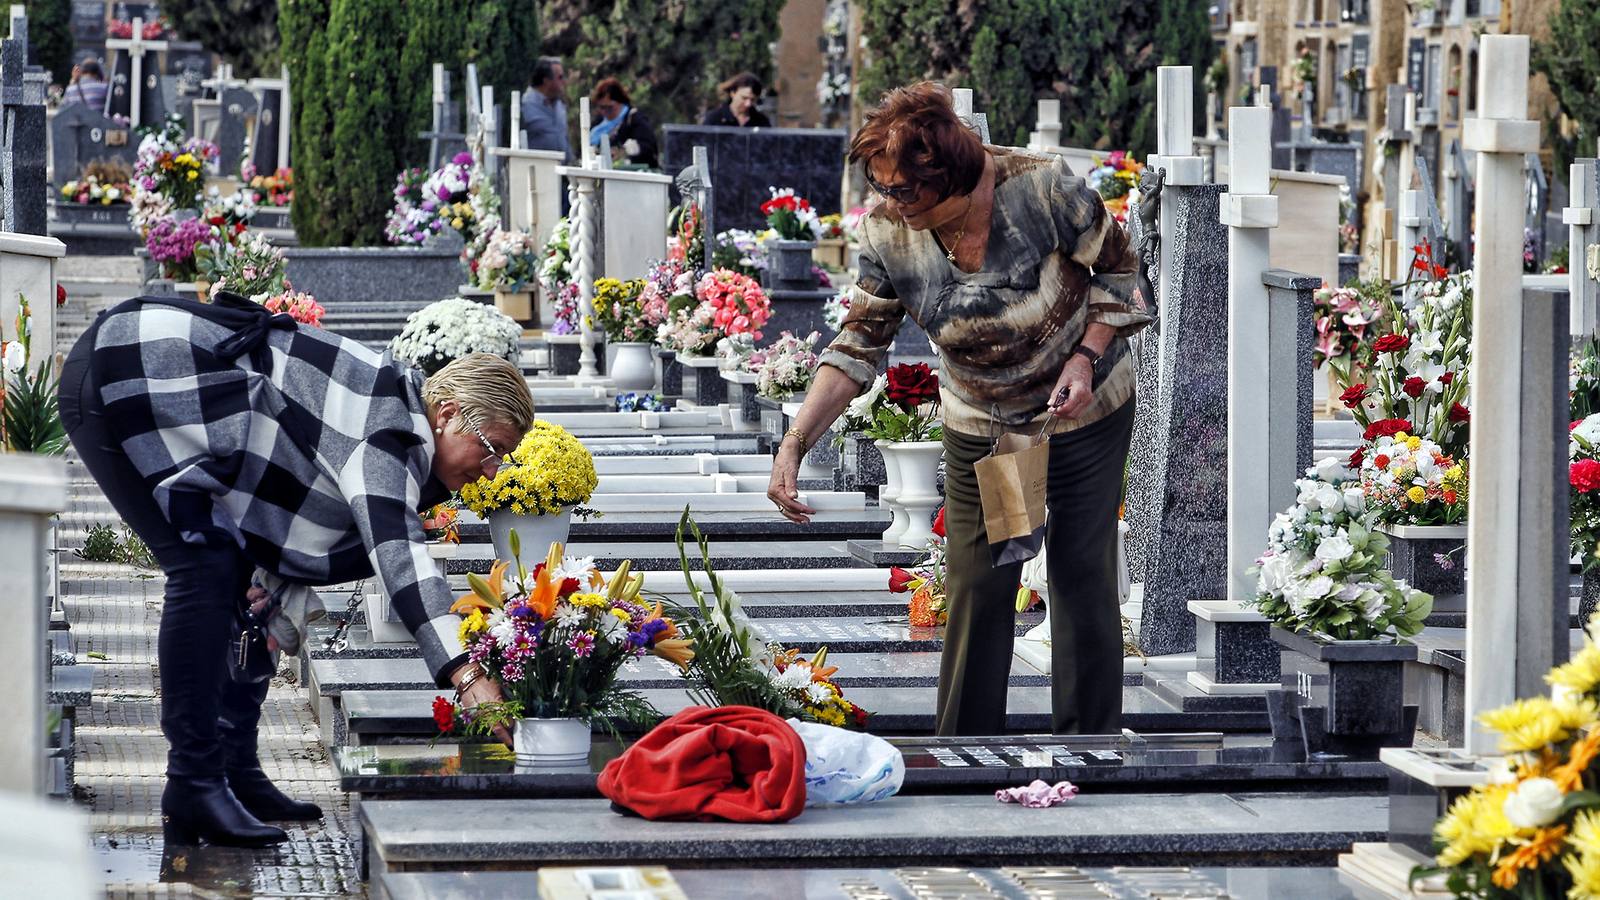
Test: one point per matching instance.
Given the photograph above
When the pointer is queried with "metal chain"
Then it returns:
(339, 641)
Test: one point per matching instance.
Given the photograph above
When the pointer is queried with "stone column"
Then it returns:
(32, 489)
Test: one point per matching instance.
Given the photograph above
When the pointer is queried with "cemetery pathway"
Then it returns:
(114, 610)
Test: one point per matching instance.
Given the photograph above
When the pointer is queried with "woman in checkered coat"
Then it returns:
(229, 439)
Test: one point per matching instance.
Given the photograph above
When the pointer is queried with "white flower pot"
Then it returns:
(631, 366)
(919, 488)
(536, 534)
(889, 494)
(551, 742)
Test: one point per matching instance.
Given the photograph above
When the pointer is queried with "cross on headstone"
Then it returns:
(445, 137)
(487, 131)
(269, 145)
(584, 123)
(517, 137)
(134, 85)
(694, 185)
(1582, 218)
(1047, 132)
(961, 98)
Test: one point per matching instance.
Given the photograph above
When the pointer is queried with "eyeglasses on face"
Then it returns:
(900, 193)
(495, 460)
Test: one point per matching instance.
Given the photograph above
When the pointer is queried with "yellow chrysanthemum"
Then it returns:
(588, 601)
(192, 175)
(1417, 494)
(1585, 871)
(1475, 824)
(1581, 673)
(1414, 442)
(472, 625)
(622, 615)
(1585, 836)
(1544, 844)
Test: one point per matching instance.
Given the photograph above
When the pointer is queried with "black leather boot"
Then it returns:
(196, 809)
(261, 797)
(237, 724)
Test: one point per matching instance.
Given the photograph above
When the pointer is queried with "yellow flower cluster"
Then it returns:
(550, 471)
(588, 601)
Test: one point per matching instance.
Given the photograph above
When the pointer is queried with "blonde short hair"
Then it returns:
(488, 389)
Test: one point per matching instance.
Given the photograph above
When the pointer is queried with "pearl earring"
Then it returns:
(438, 431)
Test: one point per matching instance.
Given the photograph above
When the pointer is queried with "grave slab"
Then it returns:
(716, 525)
(830, 554)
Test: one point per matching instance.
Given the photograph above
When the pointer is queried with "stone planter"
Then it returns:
(551, 742)
(631, 366)
(1342, 698)
(518, 305)
(702, 380)
(566, 353)
(1422, 785)
(789, 265)
(669, 375)
(741, 388)
(535, 534)
(831, 253)
(1430, 558)
(862, 464)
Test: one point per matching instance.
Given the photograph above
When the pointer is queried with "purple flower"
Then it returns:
(511, 672)
(1444, 562)
(653, 628)
(444, 194)
(462, 159)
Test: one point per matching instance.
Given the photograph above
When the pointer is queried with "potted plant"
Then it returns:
(555, 638)
(506, 261)
(618, 313)
(549, 476)
(447, 330)
(250, 267)
(168, 174)
(796, 228)
(905, 426)
(726, 304)
(1323, 587)
(785, 368)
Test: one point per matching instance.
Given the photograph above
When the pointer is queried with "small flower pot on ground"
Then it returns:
(1342, 698)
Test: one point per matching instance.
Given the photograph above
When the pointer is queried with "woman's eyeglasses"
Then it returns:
(495, 459)
(902, 193)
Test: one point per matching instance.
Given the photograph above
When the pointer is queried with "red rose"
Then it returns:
(61, 295)
(1357, 458)
(1459, 413)
(911, 385)
(1354, 394)
(1381, 461)
(1585, 475)
(1386, 428)
(938, 523)
(1391, 343)
(1447, 377)
(1414, 387)
(899, 580)
(444, 714)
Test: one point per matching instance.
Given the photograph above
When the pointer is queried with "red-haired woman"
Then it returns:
(1025, 284)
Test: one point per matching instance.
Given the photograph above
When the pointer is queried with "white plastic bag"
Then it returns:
(848, 766)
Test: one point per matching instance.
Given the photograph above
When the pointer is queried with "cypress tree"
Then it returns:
(50, 37)
(305, 39)
(367, 143)
(242, 32)
(1570, 59)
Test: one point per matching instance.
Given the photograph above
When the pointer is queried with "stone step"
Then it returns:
(1125, 829)
(660, 557)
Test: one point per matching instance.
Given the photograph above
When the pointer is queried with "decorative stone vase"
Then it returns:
(889, 493)
(703, 384)
(631, 365)
(518, 305)
(789, 264)
(1591, 598)
(830, 252)
(1430, 558)
(1342, 698)
(917, 463)
(551, 742)
(535, 533)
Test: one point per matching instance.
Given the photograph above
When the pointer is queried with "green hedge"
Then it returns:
(50, 37)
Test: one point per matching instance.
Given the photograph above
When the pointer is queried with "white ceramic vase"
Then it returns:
(918, 465)
(632, 367)
(551, 742)
(889, 494)
(535, 533)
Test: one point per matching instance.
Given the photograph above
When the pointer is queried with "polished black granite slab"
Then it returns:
(717, 526)
(1180, 763)
(1286, 828)
(876, 552)
(1241, 883)
(663, 556)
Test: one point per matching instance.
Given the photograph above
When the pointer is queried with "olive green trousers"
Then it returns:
(1085, 491)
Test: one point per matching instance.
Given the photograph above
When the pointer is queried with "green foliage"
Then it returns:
(32, 417)
(50, 37)
(243, 32)
(1100, 59)
(103, 544)
(669, 56)
(1570, 59)
(304, 42)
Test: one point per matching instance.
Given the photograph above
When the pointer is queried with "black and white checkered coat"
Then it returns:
(312, 451)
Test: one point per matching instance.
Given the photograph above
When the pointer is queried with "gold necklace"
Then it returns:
(950, 253)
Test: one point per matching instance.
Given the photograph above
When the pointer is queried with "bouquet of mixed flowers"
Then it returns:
(639, 402)
(249, 266)
(174, 245)
(447, 198)
(446, 330)
(1583, 473)
(556, 638)
(30, 414)
(733, 353)
(734, 666)
(1533, 830)
(790, 216)
(237, 208)
(689, 235)
(930, 604)
(301, 307)
(171, 167)
(852, 221)
(565, 304)
(408, 222)
(831, 227)
(729, 304)
(103, 182)
(509, 261)
(276, 189)
(740, 251)
(550, 471)
(668, 290)
(908, 408)
(555, 266)
(439, 523)
(1343, 317)
(1585, 379)
(153, 30)
(1323, 570)
(835, 309)
(1113, 178)
(618, 313)
(784, 368)
(1410, 480)
(863, 410)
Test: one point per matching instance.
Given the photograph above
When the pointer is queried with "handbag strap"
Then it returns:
(995, 431)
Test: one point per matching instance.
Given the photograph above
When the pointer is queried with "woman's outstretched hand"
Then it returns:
(1074, 388)
(782, 489)
(483, 690)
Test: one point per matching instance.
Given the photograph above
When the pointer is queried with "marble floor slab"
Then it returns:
(716, 525)
(662, 556)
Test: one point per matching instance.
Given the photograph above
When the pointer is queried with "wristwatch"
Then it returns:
(1084, 351)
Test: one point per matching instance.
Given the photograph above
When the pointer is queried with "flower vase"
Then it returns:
(518, 305)
(889, 494)
(534, 532)
(632, 367)
(551, 742)
(789, 265)
(918, 465)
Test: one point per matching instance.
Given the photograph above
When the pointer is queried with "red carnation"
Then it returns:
(911, 385)
(899, 580)
(61, 295)
(444, 714)
(1450, 496)
(1354, 394)
(1414, 387)
(1459, 413)
(1386, 428)
(1585, 475)
(938, 523)
(1381, 460)
(1447, 377)
(1357, 458)
(1391, 343)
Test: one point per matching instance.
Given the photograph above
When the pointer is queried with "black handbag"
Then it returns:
(249, 659)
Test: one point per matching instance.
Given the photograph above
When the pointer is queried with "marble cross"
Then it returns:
(1582, 218)
(136, 47)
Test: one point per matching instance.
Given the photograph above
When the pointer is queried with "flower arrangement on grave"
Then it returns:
(154, 30)
(1530, 251)
(733, 353)
(740, 251)
(668, 289)
(1409, 480)
(300, 306)
(908, 408)
(439, 523)
(30, 415)
(103, 182)
(249, 266)
(452, 197)
(1114, 178)
(236, 209)
(556, 638)
(831, 227)
(275, 190)
(409, 223)
(1583, 473)
(929, 604)
(689, 235)
(835, 308)
(785, 367)
(173, 244)
(1344, 316)
(1323, 569)
(1533, 830)
(549, 471)
(617, 311)
(641, 402)
(508, 260)
(734, 666)
(565, 309)
(446, 330)
(861, 411)
(169, 171)
(1584, 397)
(1305, 73)
(555, 259)
(790, 216)
(729, 304)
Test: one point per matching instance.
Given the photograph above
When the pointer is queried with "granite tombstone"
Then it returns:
(745, 162)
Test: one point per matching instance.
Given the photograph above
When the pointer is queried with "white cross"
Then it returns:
(137, 47)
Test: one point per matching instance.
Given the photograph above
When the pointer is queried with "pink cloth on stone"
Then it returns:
(1039, 794)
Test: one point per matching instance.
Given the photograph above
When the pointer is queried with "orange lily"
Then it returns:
(485, 595)
(542, 599)
(819, 672)
(674, 650)
(672, 629)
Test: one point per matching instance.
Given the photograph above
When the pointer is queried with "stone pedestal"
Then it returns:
(1429, 558)
(741, 388)
(1234, 650)
(631, 213)
(1343, 698)
(669, 374)
(862, 464)
(566, 350)
(703, 384)
(28, 269)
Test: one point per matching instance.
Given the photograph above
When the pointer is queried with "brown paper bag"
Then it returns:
(1012, 483)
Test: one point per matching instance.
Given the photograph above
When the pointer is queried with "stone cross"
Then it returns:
(961, 98)
(584, 123)
(473, 109)
(1409, 209)
(1517, 589)
(136, 47)
(446, 136)
(1582, 219)
(516, 121)
(23, 135)
(1431, 225)
(1251, 212)
(694, 187)
(1048, 133)
(1458, 202)
(488, 131)
(269, 147)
